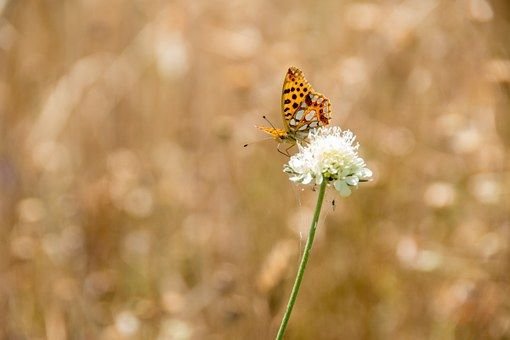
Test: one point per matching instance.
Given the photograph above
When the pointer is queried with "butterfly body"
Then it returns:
(282, 136)
(302, 109)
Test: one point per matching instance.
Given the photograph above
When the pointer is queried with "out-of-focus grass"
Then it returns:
(130, 209)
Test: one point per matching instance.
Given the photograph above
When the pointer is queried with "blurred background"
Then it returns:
(130, 210)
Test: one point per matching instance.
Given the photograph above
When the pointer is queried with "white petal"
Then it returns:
(319, 179)
(307, 179)
(342, 188)
(352, 180)
(365, 173)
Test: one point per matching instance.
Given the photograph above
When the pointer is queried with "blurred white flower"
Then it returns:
(330, 155)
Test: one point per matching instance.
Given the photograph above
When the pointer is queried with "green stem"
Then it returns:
(302, 265)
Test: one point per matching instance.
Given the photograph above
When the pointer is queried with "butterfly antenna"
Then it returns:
(269, 122)
(258, 141)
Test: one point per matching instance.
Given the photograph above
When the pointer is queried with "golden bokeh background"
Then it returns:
(130, 209)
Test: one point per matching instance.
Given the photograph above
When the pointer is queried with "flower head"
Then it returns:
(331, 155)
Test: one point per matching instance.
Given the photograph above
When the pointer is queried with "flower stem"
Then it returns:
(304, 261)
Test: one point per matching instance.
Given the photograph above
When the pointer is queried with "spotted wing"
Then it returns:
(295, 88)
(313, 112)
(302, 107)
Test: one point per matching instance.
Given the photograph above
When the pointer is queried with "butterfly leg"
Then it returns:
(287, 150)
(286, 153)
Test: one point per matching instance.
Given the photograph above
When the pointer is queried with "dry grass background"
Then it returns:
(130, 209)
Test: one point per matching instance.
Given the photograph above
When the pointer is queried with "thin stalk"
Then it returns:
(304, 261)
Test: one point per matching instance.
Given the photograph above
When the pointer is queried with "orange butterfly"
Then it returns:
(302, 109)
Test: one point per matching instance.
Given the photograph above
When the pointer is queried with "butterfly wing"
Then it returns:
(302, 107)
(295, 88)
(313, 112)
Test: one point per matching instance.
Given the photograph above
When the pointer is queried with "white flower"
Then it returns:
(330, 155)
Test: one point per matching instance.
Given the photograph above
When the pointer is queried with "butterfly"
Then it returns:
(303, 109)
